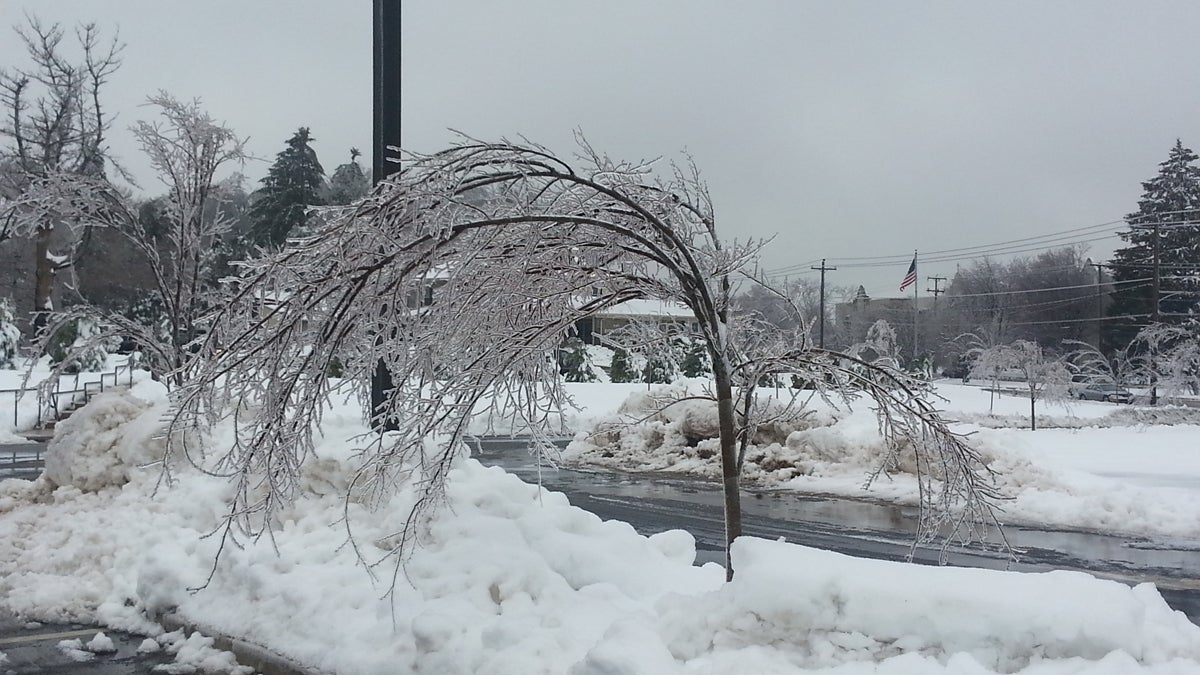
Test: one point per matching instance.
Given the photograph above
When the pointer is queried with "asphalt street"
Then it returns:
(32, 648)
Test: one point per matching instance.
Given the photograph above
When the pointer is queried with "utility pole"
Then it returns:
(821, 334)
(386, 49)
(1099, 302)
(936, 290)
(937, 319)
(1154, 314)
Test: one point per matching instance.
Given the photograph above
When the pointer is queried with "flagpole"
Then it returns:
(916, 313)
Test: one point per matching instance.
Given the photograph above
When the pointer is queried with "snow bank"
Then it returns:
(806, 608)
(120, 432)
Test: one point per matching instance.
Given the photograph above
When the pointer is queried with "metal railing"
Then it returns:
(17, 461)
(50, 405)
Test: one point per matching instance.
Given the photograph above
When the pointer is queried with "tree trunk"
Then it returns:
(1032, 413)
(43, 285)
(729, 468)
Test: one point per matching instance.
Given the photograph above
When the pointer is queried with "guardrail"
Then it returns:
(49, 405)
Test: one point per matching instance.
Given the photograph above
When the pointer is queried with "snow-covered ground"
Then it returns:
(511, 579)
(1090, 465)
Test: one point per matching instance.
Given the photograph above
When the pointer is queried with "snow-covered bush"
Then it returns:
(660, 368)
(696, 362)
(622, 369)
(10, 335)
(879, 347)
(74, 348)
(575, 363)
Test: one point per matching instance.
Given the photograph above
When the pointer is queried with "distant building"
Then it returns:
(852, 319)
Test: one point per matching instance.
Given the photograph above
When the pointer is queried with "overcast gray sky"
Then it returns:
(845, 128)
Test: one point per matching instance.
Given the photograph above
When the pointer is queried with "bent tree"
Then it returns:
(463, 273)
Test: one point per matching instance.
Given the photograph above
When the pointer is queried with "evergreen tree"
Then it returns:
(660, 369)
(695, 362)
(621, 370)
(1170, 208)
(291, 186)
(72, 342)
(574, 363)
(348, 183)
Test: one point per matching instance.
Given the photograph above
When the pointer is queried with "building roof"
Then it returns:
(642, 308)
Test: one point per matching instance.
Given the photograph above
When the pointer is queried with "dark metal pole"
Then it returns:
(386, 133)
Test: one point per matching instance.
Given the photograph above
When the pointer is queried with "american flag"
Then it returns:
(911, 277)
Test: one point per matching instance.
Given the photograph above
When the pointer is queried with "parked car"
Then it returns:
(1103, 392)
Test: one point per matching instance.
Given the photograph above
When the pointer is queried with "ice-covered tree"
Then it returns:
(879, 346)
(56, 131)
(291, 186)
(10, 335)
(347, 183)
(512, 269)
(1167, 355)
(1046, 377)
(186, 148)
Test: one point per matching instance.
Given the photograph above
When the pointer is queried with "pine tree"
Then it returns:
(1170, 201)
(292, 185)
(696, 362)
(620, 370)
(660, 369)
(348, 183)
(575, 364)
(72, 342)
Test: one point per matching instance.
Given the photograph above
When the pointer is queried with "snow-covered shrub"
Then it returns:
(73, 343)
(10, 335)
(621, 369)
(575, 363)
(105, 441)
(879, 347)
(660, 368)
(696, 361)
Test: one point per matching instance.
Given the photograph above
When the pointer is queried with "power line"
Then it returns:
(1039, 290)
(984, 254)
(1024, 241)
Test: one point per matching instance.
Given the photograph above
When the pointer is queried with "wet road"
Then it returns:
(863, 529)
(33, 649)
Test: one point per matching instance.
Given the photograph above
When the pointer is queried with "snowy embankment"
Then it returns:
(1114, 475)
(511, 579)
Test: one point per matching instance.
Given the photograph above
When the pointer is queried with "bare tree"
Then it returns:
(550, 244)
(56, 127)
(187, 148)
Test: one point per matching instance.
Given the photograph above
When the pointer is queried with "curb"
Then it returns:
(249, 654)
